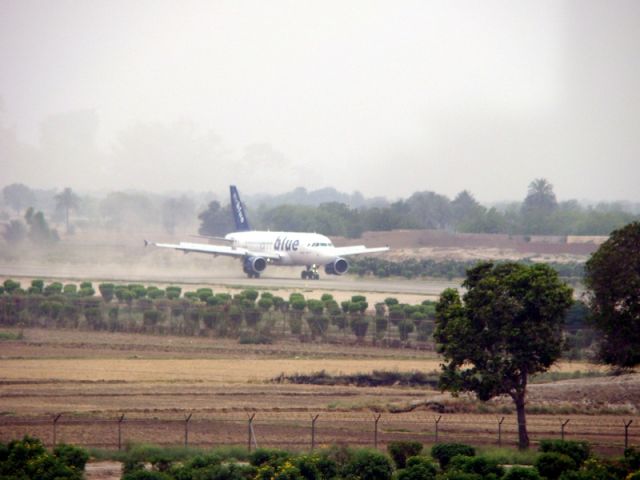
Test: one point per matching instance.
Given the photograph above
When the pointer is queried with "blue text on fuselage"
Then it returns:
(286, 245)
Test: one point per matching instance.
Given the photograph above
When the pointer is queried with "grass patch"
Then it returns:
(9, 336)
(377, 378)
(147, 452)
(508, 456)
(548, 377)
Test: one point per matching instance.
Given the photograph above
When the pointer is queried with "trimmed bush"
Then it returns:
(553, 464)
(522, 473)
(368, 465)
(418, 468)
(444, 452)
(578, 451)
(400, 451)
(478, 465)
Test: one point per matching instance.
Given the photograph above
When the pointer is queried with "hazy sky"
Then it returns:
(384, 97)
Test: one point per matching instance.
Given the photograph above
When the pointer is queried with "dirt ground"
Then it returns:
(156, 382)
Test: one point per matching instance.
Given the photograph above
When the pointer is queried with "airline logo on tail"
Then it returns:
(242, 224)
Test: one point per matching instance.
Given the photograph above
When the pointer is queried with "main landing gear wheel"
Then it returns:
(310, 273)
(253, 275)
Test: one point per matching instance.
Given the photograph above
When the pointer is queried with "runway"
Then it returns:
(287, 278)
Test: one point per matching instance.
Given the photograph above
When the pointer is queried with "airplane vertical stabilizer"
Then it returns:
(239, 215)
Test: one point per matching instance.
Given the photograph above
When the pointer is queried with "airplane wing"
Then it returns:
(215, 250)
(358, 250)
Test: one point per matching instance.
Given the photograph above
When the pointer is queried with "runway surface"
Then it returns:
(285, 278)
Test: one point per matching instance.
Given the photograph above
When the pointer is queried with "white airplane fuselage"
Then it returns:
(293, 248)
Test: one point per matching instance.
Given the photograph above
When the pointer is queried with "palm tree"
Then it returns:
(67, 200)
(540, 196)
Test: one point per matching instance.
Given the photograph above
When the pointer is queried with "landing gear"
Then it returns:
(253, 275)
(311, 273)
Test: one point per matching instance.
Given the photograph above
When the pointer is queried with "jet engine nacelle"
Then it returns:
(337, 267)
(254, 265)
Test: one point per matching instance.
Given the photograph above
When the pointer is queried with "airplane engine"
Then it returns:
(337, 267)
(254, 265)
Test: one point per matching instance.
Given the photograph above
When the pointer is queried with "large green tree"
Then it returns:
(612, 276)
(507, 326)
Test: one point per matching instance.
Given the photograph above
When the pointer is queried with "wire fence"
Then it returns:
(307, 431)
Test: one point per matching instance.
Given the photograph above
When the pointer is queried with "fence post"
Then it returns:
(375, 431)
(186, 430)
(250, 431)
(562, 425)
(500, 432)
(437, 422)
(626, 433)
(55, 423)
(120, 420)
(313, 431)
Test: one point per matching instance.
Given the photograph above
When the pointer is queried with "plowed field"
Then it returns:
(156, 382)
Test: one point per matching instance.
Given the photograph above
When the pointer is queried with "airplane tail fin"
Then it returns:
(239, 215)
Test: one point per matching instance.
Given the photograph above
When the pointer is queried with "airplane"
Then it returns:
(257, 249)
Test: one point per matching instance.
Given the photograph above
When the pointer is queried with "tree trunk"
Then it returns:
(523, 436)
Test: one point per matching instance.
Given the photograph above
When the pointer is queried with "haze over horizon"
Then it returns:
(371, 96)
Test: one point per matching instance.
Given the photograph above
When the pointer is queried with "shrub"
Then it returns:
(270, 456)
(578, 451)
(107, 290)
(315, 467)
(553, 464)
(522, 473)
(27, 458)
(400, 451)
(632, 458)
(418, 468)
(444, 452)
(595, 469)
(359, 326)
(146, 475)
(478, 465)
(368, 465)
(73, 456)
(405, 327)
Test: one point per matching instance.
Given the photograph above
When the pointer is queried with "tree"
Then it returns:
(215, 220)
(14, 232)
(538, 207)
(39, 231)
(18, 196)
(540, 196)
(612, 277)
(508, 328)
(67, 200)
(430, 210)
(177, 211)
(465, 209)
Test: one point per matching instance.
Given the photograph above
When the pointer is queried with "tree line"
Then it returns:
(326, 211)
(426, 267)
